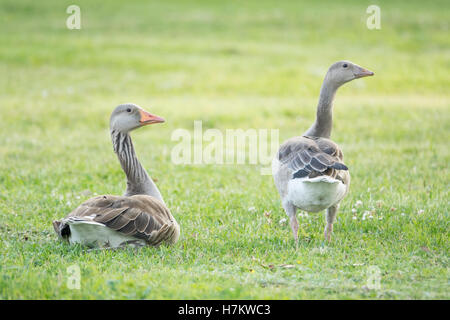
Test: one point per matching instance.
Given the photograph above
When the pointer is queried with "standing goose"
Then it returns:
(140, 217)
(308, 171)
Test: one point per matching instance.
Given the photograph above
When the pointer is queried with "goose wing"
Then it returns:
(140, 216)
(311, 156)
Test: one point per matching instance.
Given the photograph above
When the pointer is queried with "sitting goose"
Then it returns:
(308, 171)
(140, 217)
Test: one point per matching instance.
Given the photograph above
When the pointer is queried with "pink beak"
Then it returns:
(364, 73)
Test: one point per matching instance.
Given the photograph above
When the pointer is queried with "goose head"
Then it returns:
(127, 117)
(344, 71)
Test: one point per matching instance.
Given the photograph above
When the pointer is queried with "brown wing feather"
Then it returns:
(141, 216)
(311, 156)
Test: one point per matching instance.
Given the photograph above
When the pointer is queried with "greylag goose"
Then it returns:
(140, 217)
(309, 171)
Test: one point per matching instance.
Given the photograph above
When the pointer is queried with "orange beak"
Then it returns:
(364, 73)
(148, 118)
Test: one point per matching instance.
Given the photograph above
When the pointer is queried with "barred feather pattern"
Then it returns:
(311, 156)
(123, 146)
(138, 181)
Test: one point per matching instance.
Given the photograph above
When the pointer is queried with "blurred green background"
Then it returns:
(231, 64)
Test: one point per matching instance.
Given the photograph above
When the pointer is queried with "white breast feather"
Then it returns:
(94, 234)
(315, 194)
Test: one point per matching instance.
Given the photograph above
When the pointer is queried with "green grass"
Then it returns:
(257, 64)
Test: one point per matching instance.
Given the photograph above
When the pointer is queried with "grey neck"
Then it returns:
(138, 181)
(324, 119)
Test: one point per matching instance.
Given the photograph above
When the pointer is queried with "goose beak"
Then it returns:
(363, 73)
(148, 118)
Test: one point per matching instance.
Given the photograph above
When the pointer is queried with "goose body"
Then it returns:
(138, 218)
(307, 176)
(309, 170)
(114, 221)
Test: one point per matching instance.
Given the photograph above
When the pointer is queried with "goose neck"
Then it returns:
(138, 181)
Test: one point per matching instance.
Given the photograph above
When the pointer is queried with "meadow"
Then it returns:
(233, 65)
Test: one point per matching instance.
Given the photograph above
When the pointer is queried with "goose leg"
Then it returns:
(331, 217)
(290, 211)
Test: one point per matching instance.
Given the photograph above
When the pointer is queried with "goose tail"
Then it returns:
(62, 229)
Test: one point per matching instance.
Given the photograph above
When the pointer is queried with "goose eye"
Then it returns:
(345, 65)
(128, 110)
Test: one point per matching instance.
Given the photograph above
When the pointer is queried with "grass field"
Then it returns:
(231, 64)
